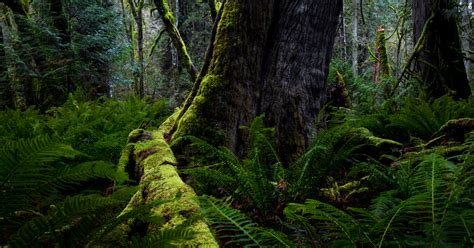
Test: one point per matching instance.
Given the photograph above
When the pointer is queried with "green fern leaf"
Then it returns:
(230, 223)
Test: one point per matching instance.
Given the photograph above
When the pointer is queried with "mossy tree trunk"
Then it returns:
(270, 58)
(136, 9)
(10, 30)
(440, 62)
(169, 22)
(382, 65)
(6, 99)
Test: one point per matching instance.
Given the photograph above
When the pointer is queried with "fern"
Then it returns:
(75, 215)
(334, 224)
(230, 223)
(33, 176)
(24, 167)
(329, 153)
(434, 211)
(422, 119)
(253, 180)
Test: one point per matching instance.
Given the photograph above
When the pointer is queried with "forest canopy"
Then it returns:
(236, 123)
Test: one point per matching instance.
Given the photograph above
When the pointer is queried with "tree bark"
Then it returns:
(342, 32)
(439, 63)
(136, 10)
(169, 22)
(213, 9)
(11, 43)
(355, 39)
(6, 100)
(466, 38)
(381, 65)
(270, 58)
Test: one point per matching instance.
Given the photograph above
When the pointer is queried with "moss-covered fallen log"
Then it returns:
(149, 159)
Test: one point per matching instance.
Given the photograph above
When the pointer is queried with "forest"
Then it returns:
(236, 123)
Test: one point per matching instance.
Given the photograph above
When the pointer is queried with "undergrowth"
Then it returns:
(399, 177)
(59, 183)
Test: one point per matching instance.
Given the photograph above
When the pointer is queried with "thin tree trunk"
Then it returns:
(6, 100)
(343, 38)
(466, 40)
(213, 9)
(382, 65)
(355, 39)
(141, 61)
(270, 58)
(169, 21)
(136, 10)
(11, 44)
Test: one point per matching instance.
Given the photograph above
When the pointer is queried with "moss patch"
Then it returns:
(161, 181)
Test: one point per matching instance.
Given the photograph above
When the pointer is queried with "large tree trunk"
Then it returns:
(439, 63)
(270, 58)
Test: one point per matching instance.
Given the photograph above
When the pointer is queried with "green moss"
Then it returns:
(442, 150)
(192, 123)
(164, 10)
(366, 135)
(230, 16)
(463, 125)
(161, 181)
(124, 161)
(382, 50)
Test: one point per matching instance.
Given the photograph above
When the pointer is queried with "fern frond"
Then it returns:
(334, 223)
(253, 178)
(230, 223)
(25, 167)
(72, 213)
(432, 213)
(69, 176)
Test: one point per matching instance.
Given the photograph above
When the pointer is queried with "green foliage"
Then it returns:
(236, 226)
(51, 192)
(257, 181)
(334, 150)
(434, 212)
(33, 176)
(98, 129)
(59, 48)
(413, 121)
(37, 174)
(334, 225)
(420, 119)
(423, 198)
